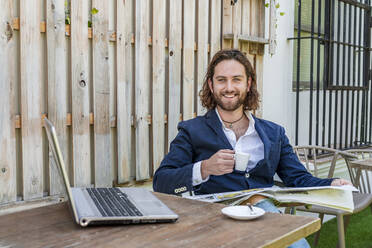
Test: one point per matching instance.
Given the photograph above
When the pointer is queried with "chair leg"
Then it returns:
(290, 210)
(293, 211)
(346, 222)
(317, 234)
(341, 232)
(287, 210)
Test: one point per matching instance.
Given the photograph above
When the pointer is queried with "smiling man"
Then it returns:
(201, 157)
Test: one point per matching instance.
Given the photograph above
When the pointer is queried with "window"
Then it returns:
(311, 56)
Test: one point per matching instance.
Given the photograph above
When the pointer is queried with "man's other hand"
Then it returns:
(222, 162)
(340, 182)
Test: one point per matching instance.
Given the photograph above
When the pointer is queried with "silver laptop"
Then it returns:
(95, 206)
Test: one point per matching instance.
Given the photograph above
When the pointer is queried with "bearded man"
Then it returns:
(201, 157)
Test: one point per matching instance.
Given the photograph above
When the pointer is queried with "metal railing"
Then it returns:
(338, 72)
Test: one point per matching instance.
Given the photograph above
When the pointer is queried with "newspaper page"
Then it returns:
(338, 197)
(225, 196)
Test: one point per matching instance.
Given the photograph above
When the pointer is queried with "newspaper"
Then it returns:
(338, 197)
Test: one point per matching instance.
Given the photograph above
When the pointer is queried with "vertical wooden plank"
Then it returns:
(142, 89)
(246, 30)
(272, 29)
(57, 85)
(175, 38)
(261, 25)
(202, 55)
(227, 22)
(246, 23)
(188, 59)
(246, 12)
(7, 82)
(80, 93)
(31, 97)
(254, 25)
(124, 88)
(237, 23)
(101, 96)
(158, 80)
(215, 26)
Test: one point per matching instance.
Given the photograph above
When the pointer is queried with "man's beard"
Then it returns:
(232, 105)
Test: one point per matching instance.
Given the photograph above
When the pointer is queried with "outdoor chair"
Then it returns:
(363, 184)
(316, 160)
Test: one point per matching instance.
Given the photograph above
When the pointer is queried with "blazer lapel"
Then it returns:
(214, 123)
(265, 140)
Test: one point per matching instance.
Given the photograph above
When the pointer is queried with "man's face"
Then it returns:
(230, 85)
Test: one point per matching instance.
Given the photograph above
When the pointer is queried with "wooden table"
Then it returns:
(200, 224)
(361, 165)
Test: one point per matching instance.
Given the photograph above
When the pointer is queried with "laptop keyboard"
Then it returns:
(113, 202)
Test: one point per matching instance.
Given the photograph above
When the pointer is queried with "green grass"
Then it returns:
(358, 233)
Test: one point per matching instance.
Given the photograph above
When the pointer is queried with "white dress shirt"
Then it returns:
(250, 143)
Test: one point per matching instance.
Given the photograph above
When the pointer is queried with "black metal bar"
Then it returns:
(327, 25)
(370, 112)
(353, 91)
(349, 71)
(369, 78)
(311, 74)
(366, 63)
(359, 72)
(344, 17)
(369, 70)
(363, 79)
(369, 130)
(337, 73)
(370, 116)
(350, 44)
(318, 76)
(328, 58)
(298, 69)
(331, 41)
(340, 87)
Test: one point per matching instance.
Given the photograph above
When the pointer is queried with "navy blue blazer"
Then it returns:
(199, 138)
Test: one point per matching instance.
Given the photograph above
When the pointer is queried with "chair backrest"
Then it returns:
(364, 183)
(314, 157)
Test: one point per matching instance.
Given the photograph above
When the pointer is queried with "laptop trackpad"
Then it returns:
(153, 208)
(146, 202)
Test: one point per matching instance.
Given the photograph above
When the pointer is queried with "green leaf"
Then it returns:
(67, 20)
(89, 24)
(66, 3)
(267, 5)
(277, 6)
(94, 11)
(282, 13)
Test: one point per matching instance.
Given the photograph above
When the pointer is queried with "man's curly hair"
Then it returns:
(251, 102)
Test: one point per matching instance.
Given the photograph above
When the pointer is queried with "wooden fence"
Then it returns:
(115, 91)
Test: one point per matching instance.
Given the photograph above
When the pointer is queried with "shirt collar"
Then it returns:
(249, 116)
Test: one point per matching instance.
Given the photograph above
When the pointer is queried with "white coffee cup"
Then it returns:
(241, 160)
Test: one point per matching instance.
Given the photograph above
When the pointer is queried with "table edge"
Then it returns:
(291, 237)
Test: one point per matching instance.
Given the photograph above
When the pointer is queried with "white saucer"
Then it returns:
(242, 212)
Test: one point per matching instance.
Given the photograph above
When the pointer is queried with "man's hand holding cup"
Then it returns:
(222, 162)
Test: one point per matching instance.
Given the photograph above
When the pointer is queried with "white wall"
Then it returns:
(278, 102)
